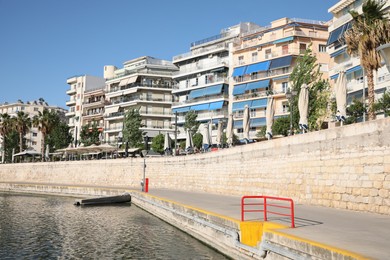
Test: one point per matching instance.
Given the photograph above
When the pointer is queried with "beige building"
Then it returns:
(81, 102)
(341, 61)
(31, 108)
(263, 60)
(144, 83)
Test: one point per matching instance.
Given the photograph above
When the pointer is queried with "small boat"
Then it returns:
(125, 197)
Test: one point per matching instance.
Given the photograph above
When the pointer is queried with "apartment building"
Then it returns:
(31, 108)
(341, 61)
(82, 91)
(143, 83)
(263, 60)
(202, 82)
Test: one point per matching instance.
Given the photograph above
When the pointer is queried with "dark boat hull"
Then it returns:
(126, 197)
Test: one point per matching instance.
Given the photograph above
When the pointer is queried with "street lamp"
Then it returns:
(290, 97)
(384, 51)
(144, 153)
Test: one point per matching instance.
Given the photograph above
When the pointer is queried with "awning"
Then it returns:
(200, 107)
(123, 82)
(259, 103)
(110, 110)
(287, 39)
(216, 105)
(356, 68)
(238, 124)
(257, 84)
(239, 71)
(180, 109)
(338, 33)
(131, 80)
(281, 77)
(281, 62)
(239, 89)
(261, 66)
(256, 122)
(240, 105)
(337, 53)
(335, 76)
(213, 90)
(197, 93)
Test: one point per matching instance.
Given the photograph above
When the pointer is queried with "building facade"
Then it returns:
(144, 83)
(202, 82)
(263, 60)
(31, 108)
(341, 61)
(82, 91)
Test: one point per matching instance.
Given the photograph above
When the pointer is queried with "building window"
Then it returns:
(253, 112)
(322, 48)
(36, 109)
(34, 143)
(285, 49)
(187, 83)
(285, 107)
(34, 134)
(268, 54)
(254, 75)
(240, 60)
(77, 108)
(284, 87)
(254, 56)
(285, 70)
(302, 48)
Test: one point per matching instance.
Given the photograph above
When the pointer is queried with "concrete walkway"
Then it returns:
(363, 233)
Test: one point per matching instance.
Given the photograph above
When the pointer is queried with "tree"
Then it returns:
(6, 127)
(89, 136)
(60, 137)
(190, 122)
(22, 126)
(197, 138)
(383, 104)
(158, 143)
(369, 30)
(355, 111)
(281, 126)
(261, 133)
(131, 128)
(306, 71)
(45, 121)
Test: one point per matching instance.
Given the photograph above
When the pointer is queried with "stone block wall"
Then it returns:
(346, 167)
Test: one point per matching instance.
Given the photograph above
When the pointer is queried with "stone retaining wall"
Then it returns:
(346, 167)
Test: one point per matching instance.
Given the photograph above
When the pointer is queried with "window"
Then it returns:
(323, 67)
(285, 107)
(302, 48)
(253, 112)
(77, 108)
(240, 60)
(254, 75)
(268, 54)
(254, 56)
(34, 134)
(285, 49)
(284, 87)
(322, 48)
(36, 109)
(285, 70)
(187, 83)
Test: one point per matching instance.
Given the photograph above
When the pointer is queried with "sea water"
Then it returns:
(51, 227)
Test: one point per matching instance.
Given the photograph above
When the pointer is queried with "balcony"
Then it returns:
(70, 114)
(136, 86)
(92, 115)
(201, 51)
(70, 103)
(201, 100)
(98, 103)
(71, 91)
(198, 67)
(177, 88)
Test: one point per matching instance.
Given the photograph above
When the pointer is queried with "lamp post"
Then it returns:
(144, 153)
(384, 51)
(290, 97)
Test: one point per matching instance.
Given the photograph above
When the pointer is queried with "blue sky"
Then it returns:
(44, 42)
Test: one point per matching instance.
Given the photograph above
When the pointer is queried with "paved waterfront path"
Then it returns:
(363, 233)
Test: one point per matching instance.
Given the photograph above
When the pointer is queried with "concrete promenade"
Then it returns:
(365, 234)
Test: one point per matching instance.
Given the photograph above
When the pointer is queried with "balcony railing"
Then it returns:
(191, 101)
(138, 85)
(199, 66)
(211, 80)
(199, 51)
(263, 75)
(140, 71)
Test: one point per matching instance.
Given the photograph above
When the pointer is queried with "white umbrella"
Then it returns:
(47, 152)
(246, 121)
(210, 133)
(269, 115)
(167, 141)
(229, 130)
(13, 154)
(219, 133)
(341, 96)
(204, 130)
(303, 106)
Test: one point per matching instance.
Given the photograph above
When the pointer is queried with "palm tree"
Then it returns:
(6, 126)
(22, 125)
(369, 30)
(45, 121)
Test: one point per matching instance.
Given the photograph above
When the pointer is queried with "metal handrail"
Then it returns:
(265, 207)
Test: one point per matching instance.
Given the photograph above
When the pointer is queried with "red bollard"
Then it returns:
(146, 185)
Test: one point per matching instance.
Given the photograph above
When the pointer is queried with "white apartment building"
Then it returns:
(143, 83)
(341, 61)
(31, 108)
(80, 86)
(203, 78)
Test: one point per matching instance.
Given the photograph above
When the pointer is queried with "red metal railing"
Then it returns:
(265, 206)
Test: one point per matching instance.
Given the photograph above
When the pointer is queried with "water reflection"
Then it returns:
(45, 227)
